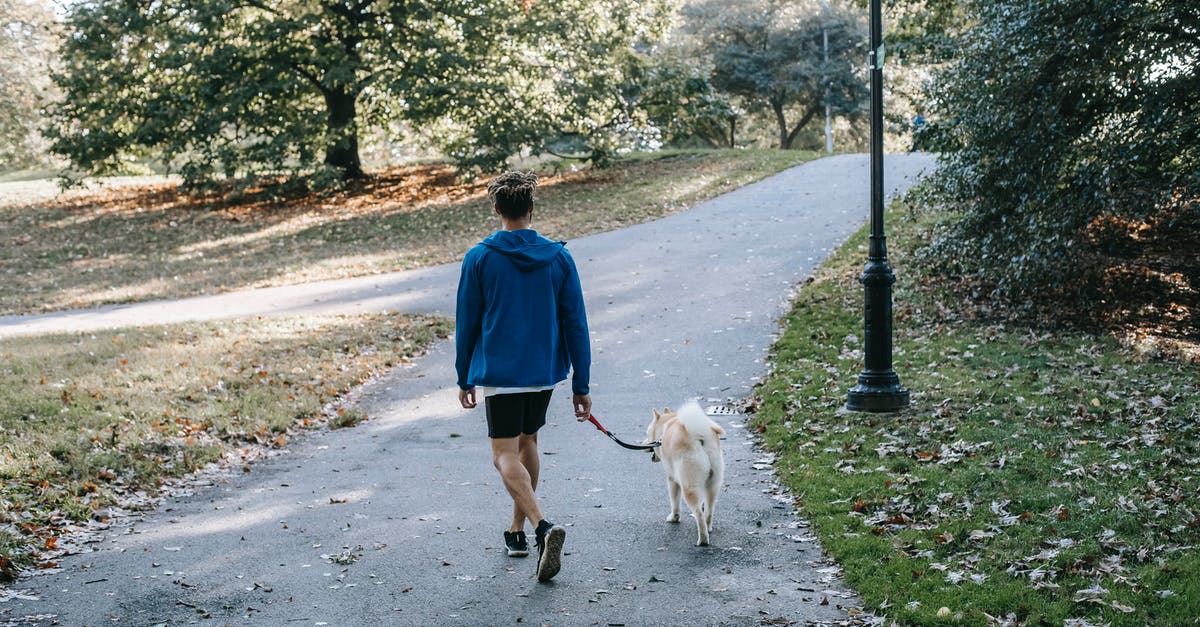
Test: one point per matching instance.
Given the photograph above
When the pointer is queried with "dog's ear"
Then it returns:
(656, 414)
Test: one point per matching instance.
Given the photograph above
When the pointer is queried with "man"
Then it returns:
(521, 325)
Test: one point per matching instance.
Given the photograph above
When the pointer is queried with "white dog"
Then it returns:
(691, 455)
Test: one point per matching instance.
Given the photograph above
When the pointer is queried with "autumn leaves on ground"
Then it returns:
(95, 423)
(146, 243)
(1042, 476)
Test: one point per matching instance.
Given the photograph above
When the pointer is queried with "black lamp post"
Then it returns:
(878, 388)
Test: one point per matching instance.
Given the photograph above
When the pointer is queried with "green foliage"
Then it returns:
(1055, 115)
(27, 40)
(564, 79)
(226, 88)
(925, 30)
(680, 100)
(772, 55)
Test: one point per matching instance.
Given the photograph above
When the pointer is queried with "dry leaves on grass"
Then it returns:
(123, 414)
(137, 244)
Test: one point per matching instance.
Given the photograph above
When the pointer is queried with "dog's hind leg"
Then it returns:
(674, 494)
(712, 489)
(692, 496)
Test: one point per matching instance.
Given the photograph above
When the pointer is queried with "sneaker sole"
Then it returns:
(517, 553)
(551, 559)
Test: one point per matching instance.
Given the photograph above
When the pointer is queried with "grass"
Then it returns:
(135, 244)
(97, 420)
(1038, 477)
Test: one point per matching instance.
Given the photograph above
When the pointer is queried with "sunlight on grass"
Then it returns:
(133, 245)
(92, 420)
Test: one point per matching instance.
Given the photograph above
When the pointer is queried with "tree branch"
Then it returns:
(808, 116)
(308, 75)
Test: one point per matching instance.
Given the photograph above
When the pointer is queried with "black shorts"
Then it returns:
(510, 415)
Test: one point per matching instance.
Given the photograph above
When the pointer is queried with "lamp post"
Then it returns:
(878, 388)
(825, 48)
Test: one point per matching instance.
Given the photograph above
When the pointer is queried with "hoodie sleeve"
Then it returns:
(468, 318)
(573, 318)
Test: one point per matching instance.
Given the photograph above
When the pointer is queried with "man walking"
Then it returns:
(521, 326)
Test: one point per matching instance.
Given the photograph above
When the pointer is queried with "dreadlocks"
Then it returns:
(512, 193)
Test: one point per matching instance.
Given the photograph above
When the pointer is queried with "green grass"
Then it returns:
(1042, 464)
(88, 421)
(137, 244)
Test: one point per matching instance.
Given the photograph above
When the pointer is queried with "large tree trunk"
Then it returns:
(341, 151)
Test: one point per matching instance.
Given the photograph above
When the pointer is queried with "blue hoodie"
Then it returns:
(520, 316)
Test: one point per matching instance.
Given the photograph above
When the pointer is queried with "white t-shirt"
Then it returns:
(486, 391)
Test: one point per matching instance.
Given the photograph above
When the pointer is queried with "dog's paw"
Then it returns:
(673, 518)
(701, 542)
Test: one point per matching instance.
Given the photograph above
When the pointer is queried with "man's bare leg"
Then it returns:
(527, 452)
(507, 457)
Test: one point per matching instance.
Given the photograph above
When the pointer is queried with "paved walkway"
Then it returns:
(682, 307)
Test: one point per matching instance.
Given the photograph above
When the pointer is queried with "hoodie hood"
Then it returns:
(527, 249)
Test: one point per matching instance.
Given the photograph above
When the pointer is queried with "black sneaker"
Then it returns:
(516, 543)
(550, 543)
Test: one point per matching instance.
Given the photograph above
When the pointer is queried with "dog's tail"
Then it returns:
(697, 423)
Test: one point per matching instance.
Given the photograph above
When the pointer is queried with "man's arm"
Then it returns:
(468, 321)
(573, 317)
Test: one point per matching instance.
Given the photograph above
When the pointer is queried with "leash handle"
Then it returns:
(633, 447)
(592, 419)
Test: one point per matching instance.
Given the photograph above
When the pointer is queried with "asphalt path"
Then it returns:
(398, 521)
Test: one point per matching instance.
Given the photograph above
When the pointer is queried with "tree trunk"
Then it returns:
(808, 116)
(732, 129)
(784, 141)
(341, 149)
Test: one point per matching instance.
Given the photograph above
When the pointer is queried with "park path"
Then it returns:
(683, 307)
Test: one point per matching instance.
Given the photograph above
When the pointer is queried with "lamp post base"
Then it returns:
(877, 394)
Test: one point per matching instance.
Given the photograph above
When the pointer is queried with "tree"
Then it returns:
(680, 99)
(28, 36)
(1055, 116)
(926, 30)
(771, 54)
(246, 86)
(565, 81)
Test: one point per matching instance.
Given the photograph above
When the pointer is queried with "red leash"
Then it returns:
(634, 447)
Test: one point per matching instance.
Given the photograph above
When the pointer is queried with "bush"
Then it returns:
(1058, 118)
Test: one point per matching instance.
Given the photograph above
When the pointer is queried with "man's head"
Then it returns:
(512, 193)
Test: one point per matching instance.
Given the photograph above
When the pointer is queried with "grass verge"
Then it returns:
(134, 244)
(1041, 478)
(90, 422)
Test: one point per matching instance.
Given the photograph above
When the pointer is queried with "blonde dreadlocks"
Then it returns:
(512, 193)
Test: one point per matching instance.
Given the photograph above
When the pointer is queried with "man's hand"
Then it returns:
(583, 406)
(467, 398)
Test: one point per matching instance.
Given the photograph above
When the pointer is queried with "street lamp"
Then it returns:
(825, 48)
(878, 388)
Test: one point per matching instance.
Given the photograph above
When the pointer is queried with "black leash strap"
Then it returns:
(633, 447)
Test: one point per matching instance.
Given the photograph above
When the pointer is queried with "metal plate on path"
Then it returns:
(720, 410)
